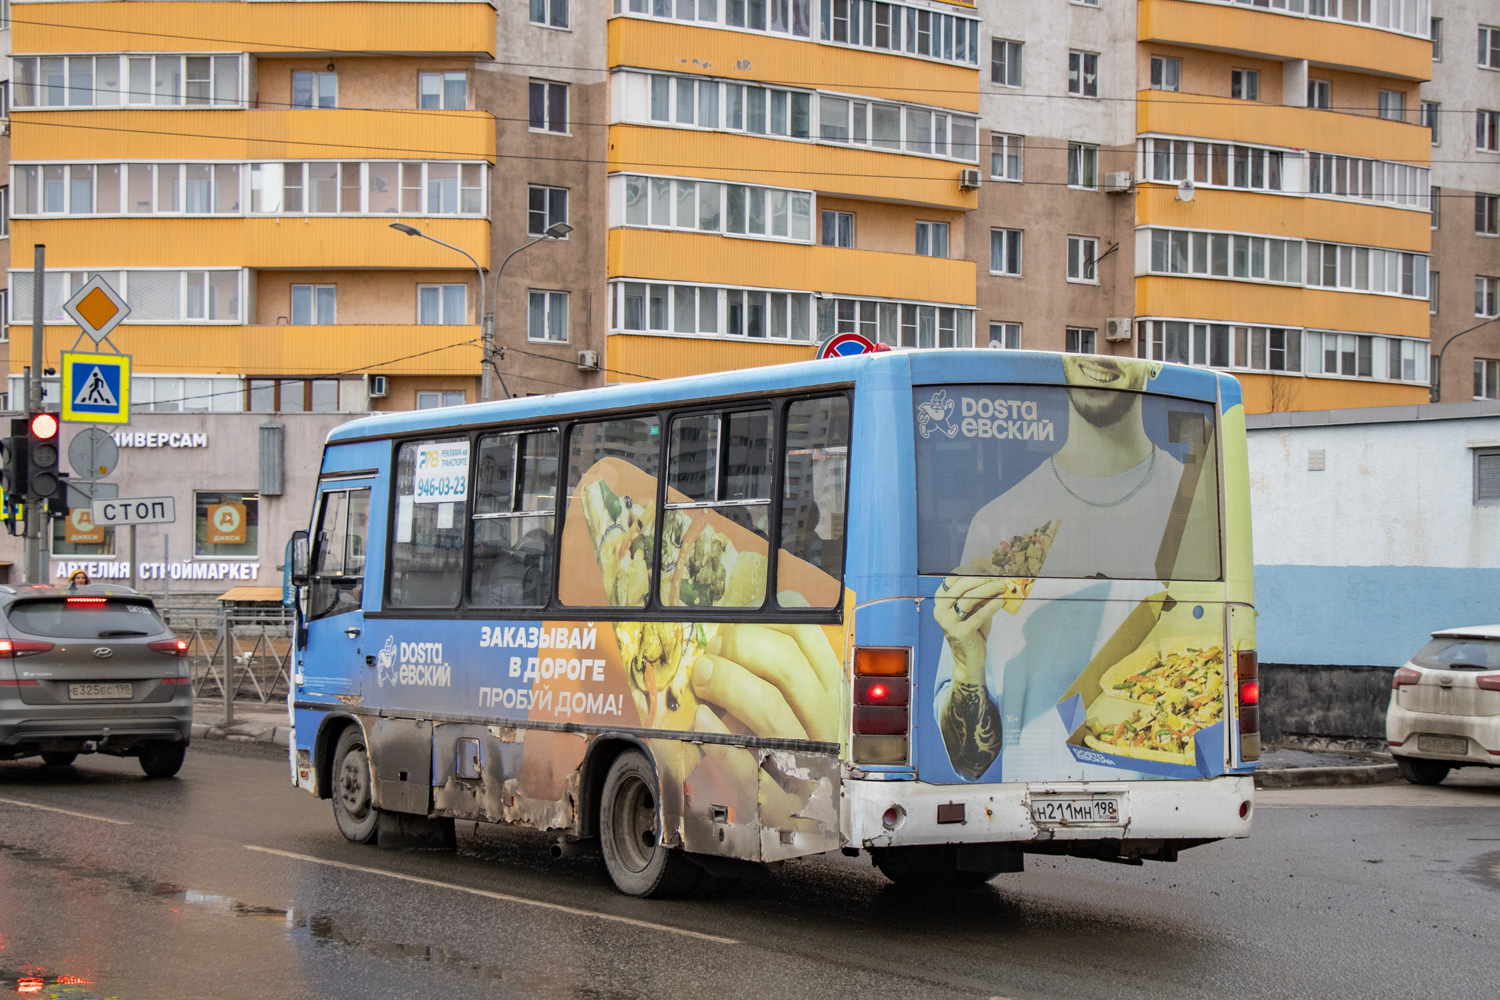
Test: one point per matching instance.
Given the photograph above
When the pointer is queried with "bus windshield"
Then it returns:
(1076, 482)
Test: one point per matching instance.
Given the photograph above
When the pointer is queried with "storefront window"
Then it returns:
(77, 536)
(226, 524)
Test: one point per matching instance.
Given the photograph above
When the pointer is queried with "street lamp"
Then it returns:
(486, 323)
(1435, 378)
(556, 231)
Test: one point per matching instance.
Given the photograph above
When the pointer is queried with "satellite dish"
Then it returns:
(1185, 190)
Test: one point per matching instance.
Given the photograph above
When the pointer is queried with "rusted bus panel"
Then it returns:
(1362, 223)
(258, 241)
(449, 27)
(523, 777)
(253, 134)
(401, 762)
(636, 357)
(1280, 305)
(799, 804)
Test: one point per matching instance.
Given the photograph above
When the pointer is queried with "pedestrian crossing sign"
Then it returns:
(96, 388)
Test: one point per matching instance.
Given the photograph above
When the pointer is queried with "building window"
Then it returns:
(1391, 105)
(552, 13)
(315, 90)
(448, 91)
(1487, 475)
(1083, 74)
(1083, 166)
(1435, 32)
(838, 229)
(1487, 214)
(155, 296)
(1320, 94)
(1079, 340)
(1432, 292)
(547, 317)
(1005, 251)
(433, 399)
(1367, 269)
(443, 305)
(1005, 62)
(713, 207)
(287, 395)
(1435, 197)
(1226, 255)
(1487, 380)
(4, 211)
(1486, 296)
(314, 305)
(1005, 156)
(1006, 336)
(1430, 118)
(1166, 73)
(1487, 130)
(545, 207)
(1082, 252)
(549, 107)
(111, 81)
(694, 309)
(226, 524)
(932, 239)
(1244, 84)
(1489, 46)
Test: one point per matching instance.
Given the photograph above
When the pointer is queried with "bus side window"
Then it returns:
(813, 501)
(515, 497)
(432, 480)
(613, 467)
(338, 572)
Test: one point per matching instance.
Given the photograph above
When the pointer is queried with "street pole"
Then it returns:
(132, 559)
(486, 323)
(555, 231)
(1435, 382)
(35, 558)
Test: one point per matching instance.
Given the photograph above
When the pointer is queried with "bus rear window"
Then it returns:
(1090, 480)
(91, 618)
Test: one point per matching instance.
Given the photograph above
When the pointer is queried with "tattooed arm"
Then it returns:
(970, 720)
(970, 725)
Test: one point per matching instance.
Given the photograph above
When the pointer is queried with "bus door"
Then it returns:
(334, 613)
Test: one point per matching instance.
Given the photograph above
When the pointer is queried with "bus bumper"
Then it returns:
(1205, 809)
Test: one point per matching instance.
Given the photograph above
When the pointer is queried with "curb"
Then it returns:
(1325, 777)
(250, 732)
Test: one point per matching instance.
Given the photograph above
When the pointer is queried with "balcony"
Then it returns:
(1312, 218)
(671, 357)
(1267, 34)
(446, 27)
(317, 242)
(383, 349)
(1279, 305)
(720, 260)
(236, 134)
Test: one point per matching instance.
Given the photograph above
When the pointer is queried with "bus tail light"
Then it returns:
(882, 705)
(1247, 690)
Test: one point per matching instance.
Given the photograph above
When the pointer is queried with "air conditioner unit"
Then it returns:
(968, 180)
(1117, 328)
(379, 386)
(1117, 182)
(588, 361)
(4, 126)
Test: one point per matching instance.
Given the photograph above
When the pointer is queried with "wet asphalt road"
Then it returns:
(1390, 891)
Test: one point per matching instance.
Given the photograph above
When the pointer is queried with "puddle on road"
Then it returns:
(1486, 869)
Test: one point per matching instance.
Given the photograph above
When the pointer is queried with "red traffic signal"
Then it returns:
(43, 426)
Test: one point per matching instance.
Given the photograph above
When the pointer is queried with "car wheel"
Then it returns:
(162, 760)
(1422, 772)
(932, 866)
(56, 758)
(353, 806)
(630, 833)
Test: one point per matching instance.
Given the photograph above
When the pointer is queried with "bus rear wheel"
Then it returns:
(932, 866)
(630, 833)
(353, 807)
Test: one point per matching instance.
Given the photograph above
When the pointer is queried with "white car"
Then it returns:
(1445, 705)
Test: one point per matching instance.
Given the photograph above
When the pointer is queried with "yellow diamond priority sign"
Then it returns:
(97, 308)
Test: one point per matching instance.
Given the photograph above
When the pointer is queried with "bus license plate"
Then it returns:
(1443, 744)
(1065, 810)
(99, 692)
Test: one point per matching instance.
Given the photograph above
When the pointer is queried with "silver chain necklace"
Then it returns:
(1150, 468)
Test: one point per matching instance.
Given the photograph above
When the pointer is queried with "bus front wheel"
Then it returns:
(353, 808)
(932, 866)
(630, 833)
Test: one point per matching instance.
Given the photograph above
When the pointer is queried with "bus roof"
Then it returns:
(921, 367)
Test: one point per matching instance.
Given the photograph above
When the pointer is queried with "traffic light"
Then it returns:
(13, 462)
(41, 457)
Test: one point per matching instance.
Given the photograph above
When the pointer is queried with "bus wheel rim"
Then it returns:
(354, 784)
(635, 828)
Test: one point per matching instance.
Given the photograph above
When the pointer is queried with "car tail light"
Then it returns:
(1405, 676)
(1488, 682)
(1247, 677)
(88, 600)
(20, 684)
(171, 647)
(177, 680)
(882, 698)
(12, 648)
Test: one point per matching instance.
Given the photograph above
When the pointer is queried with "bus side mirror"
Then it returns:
(301, 571)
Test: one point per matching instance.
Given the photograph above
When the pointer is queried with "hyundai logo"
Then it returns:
(104, 652)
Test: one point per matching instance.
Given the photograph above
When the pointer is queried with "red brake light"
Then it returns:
(1247, 674)
(1404, 676)
(1249, 692)
(87, 600)
(171, 647)
(894, 691)
(20, 684)
(44, 426)
(1488, 682)
(11, 648)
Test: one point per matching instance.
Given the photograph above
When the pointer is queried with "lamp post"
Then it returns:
(1435, 386)
(486, 323)
(556, 231)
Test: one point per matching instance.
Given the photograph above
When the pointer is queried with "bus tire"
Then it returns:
(353, 807)
(1423, 772)
(630, 833)
(933, 866)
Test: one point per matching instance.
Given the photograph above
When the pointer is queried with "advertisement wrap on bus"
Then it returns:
(946, 610)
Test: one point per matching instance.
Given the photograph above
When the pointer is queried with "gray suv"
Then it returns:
(91, 670)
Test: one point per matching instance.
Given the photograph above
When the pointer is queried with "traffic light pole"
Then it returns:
(36, 556)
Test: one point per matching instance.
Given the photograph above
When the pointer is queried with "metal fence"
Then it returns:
(238, 651)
